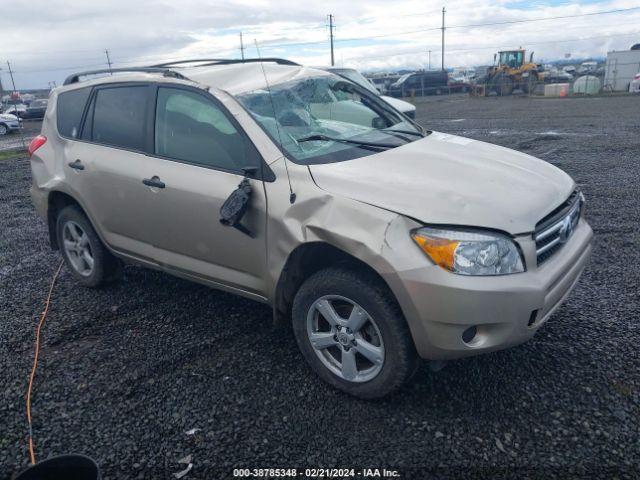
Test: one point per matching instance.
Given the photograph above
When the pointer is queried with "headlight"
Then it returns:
(470, 253)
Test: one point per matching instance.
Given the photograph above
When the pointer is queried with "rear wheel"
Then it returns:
(84, 254)
(352, 333)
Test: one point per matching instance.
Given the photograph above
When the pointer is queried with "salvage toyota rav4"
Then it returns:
(380, 241)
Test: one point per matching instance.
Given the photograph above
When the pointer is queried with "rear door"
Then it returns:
(108, 165)
(199, 152)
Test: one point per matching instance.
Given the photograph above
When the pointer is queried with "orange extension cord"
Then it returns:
(43, 316)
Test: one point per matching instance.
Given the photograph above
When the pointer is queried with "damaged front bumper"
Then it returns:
(453, 316)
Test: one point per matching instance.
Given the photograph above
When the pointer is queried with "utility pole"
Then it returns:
(331, 38)
(241, 47)
(13, 83)
(1, 89)
(443, 28)
(15, 102)
(429, 59)
(108, 60)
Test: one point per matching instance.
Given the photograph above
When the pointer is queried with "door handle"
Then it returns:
(77, 165)
(153, 182)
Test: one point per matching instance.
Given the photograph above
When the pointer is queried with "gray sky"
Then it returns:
(46, 40)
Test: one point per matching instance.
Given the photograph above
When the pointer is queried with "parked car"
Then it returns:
(430, 82)
(35, 110)
(18, 109)
(588, 68)
(569, 69)
(555, 75)
(356, 77)
(9, 123)
(634, 86)
(380, 83)
(379, 242)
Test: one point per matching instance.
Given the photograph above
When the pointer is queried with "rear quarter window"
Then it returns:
(70, 106)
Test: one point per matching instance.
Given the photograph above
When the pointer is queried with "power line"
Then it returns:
(508, 22)
(372, 37)
(386, 35)
(495, 47)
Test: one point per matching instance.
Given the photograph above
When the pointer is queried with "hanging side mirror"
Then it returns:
(236, 205)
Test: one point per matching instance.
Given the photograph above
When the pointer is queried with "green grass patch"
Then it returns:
(12, 154)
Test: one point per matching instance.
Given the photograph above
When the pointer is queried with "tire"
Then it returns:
(3, 129)
(73, 227)
(529, 85)
(504, 85)
(383, 333)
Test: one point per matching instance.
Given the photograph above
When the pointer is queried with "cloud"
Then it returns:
(47, 40)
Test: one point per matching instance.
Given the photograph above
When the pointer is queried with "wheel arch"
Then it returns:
(304, 261)
(56, 201)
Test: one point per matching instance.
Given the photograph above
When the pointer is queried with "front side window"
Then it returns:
(119, 117)
(324, 119)
(191, 128)
(70, 106)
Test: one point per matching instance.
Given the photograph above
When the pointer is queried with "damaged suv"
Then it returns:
(381, 242)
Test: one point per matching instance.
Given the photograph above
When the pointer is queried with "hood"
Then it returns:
(449, 180)
(8, 117)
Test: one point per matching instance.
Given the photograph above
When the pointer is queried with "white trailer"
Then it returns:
(620, 69)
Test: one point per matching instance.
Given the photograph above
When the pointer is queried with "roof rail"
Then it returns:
(227, 61)
(75, 78)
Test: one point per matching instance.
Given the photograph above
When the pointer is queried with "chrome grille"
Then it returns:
(555, 229)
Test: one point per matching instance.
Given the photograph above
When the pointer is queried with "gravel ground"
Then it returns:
(18, 140)
(128, 369)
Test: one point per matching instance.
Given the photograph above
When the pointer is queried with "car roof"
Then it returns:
(239, 78)
(234, 78)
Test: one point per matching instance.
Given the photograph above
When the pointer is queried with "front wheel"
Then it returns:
(3, 129)
(529, 84)
(352, 333)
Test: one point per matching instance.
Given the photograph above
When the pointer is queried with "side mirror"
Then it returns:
(379, 123)
(236, 205)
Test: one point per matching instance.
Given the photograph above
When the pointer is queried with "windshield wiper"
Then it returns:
(326, 138)
(406, 132)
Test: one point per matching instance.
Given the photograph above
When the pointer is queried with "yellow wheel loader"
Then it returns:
(512, 72)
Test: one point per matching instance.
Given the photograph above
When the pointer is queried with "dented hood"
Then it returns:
(449, 180)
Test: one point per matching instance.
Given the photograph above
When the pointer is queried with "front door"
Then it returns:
(198, 154)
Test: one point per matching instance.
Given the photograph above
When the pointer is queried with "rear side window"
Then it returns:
(119, 117)
(70, 106)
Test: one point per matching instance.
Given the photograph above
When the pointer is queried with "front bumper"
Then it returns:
(506, 310)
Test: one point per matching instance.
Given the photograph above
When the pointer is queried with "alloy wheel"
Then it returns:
(345, 338)
(78, 248)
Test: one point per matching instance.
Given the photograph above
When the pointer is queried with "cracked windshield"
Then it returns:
(327, 119)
